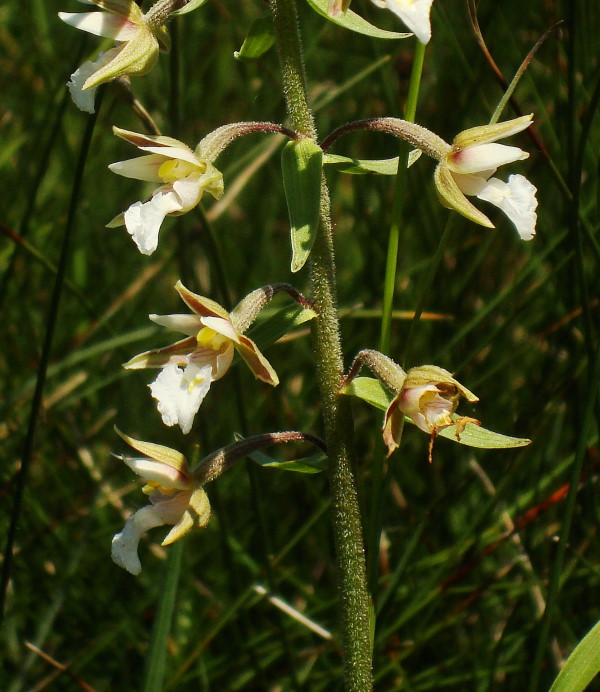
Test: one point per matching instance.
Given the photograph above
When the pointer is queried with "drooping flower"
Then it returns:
(428, 396)
(414, 13)
(140, 37)
(185, 176)
(190, 366)
(175, 497)
(466, 169)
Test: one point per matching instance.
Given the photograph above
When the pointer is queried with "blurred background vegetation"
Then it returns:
(469, 542)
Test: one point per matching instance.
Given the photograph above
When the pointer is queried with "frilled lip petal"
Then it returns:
(175, 354)
(140, 168)
(415, 14)
(260, 366)
(84, 100)
(452, 196)
(179, 393)
(112, 26)
(143, 219)
(483, 157)
(516, 198)
(125, 543)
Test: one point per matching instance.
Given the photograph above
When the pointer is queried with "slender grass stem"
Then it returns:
(389, 284)
(36, 403)
(339, 437)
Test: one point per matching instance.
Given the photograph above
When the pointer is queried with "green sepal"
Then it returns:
(354, 22)
(345, 164)
(302, 166)
(260, 37)
(190, 7)
(312, 464)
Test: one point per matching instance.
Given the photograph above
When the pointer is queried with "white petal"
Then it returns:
(125, 544)
(143, 219)
(516, 199)
(180, 392)
(164, 474)
(186, 324)
(189, 190)
(140, 168)
(221, 326)
(84, 100)
(101, 24)
(182, 153)
(483, 157)
(415, 14)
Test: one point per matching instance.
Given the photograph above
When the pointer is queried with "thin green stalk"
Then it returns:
(391, 268)
(347, 528)
(36, 402)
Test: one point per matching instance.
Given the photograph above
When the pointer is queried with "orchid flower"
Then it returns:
(175, 498)
(140, 37)
(428, 396)
(184, 175)
(190, 366)
(414, 13)
(466, 169)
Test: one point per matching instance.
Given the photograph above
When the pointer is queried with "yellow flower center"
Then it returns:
(209, 338)
(175, 169)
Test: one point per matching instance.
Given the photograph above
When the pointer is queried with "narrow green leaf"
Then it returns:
(476, 436)
(156, 656)
(268, 331)
(354, 22)
(260, 38)
(370, 390)
(302, 164)
(344, 164)
(190, 7)
(374, 393)
(312, 464)
(582, 666)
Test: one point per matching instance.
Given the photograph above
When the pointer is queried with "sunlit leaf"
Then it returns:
(302, 164)
(312, 464)
(582, 666)
(354, 22)
(344, 164)
(190, 7)
(259, 39)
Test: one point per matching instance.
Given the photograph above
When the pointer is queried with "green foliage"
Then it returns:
(467, 542)
(582, 666)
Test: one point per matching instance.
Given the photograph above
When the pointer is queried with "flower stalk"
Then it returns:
(347, 526)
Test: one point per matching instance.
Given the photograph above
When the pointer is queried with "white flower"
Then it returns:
(414, 13)
(467, 167)
(184, 177)
(190, 366)
(139, 39)
(175, 498)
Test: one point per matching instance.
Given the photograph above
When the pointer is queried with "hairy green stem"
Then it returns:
(347, 526)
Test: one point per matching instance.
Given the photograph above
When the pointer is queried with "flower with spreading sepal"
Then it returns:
(467, 167)
(190, 366)
(175, 496)
(140, 37)
(414, 13)
(429, 396)
(185, 176)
